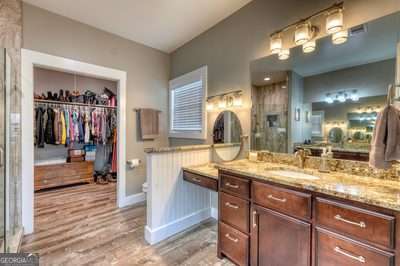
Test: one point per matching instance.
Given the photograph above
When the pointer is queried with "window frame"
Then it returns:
(196, 75)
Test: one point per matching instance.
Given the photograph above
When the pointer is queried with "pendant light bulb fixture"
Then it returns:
(284, 54)
(303, 33)
(334, 21)
(276, 43)
(309, 47)
(340, 37)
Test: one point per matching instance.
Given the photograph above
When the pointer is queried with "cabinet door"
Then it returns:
(279, 240)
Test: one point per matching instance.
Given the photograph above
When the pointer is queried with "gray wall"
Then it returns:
(296, 94)
(147, 68)
(369, 80)
(228, 47)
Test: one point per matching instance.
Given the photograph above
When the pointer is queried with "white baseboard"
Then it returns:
(132, 199)
(153, 236)
(214, 213)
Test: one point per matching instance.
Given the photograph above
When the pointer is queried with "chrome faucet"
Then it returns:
(301, 156)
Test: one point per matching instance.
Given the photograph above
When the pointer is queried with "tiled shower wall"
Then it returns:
(11, 39)
(270, 117)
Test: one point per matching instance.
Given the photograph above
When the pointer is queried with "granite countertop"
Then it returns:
(208, 170)
(178, 148)
(369, 190)
(374, 191)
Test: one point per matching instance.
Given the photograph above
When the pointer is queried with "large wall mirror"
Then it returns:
(329, 97)
(227, 133)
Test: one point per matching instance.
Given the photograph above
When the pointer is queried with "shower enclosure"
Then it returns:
(10, 153)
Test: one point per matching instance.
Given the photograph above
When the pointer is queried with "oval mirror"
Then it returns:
(227, 133)
(335, 135)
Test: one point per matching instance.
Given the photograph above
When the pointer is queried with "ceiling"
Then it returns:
(162, 24)
(377, 43)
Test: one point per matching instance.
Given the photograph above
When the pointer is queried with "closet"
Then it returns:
(75, 129)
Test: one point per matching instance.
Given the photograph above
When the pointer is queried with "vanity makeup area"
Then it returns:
(304, 193)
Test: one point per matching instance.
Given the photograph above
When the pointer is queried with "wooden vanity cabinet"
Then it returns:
(277, 225)
(278, 239)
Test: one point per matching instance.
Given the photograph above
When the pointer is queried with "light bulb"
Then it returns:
(284, 54)
(303, 33)
(210, 106)
(354, 96)
(340, 37)
(237, 101)
(328, 98)
(222, 103)
(341, 97)
(334, 21)
(275, 43)
(309, 46)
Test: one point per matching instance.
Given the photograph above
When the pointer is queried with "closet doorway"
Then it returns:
(78, 135)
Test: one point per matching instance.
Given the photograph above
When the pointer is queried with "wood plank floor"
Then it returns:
(82, 226)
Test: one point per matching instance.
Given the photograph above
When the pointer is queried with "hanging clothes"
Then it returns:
(63, 129)
(67, 125)
(49, 132)
(39, 126)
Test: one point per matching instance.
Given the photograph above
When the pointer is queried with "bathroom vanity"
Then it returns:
(275, 214)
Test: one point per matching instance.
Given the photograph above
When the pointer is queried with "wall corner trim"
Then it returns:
(133, 199)
(154, 236)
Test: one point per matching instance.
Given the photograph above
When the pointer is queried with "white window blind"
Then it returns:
(187, 105)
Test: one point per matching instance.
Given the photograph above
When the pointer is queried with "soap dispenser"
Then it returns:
(324, 167)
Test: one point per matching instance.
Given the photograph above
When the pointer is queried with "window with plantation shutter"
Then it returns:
(187, 105)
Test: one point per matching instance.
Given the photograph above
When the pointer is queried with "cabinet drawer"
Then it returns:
(200, 180)
(363, 224)
(235, 185)
(234, 244)
(290, 202)
(333, 249)
(234, 211)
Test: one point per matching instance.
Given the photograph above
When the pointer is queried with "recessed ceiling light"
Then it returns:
(267, 78)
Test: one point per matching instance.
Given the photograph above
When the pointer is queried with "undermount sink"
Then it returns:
(292, 174)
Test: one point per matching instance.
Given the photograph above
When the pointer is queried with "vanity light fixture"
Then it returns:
(334, 21)
(225, 100)
(276, 43)
(284, 54)
(309, 46)
(340, 37)
(303, 33)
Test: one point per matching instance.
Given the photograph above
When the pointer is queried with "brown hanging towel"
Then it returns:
(149, 124)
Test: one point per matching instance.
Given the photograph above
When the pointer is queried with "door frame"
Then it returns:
(30, 59)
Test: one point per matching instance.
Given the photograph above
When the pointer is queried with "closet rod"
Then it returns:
(75, 104)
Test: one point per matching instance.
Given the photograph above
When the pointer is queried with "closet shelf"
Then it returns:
(75, 104)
